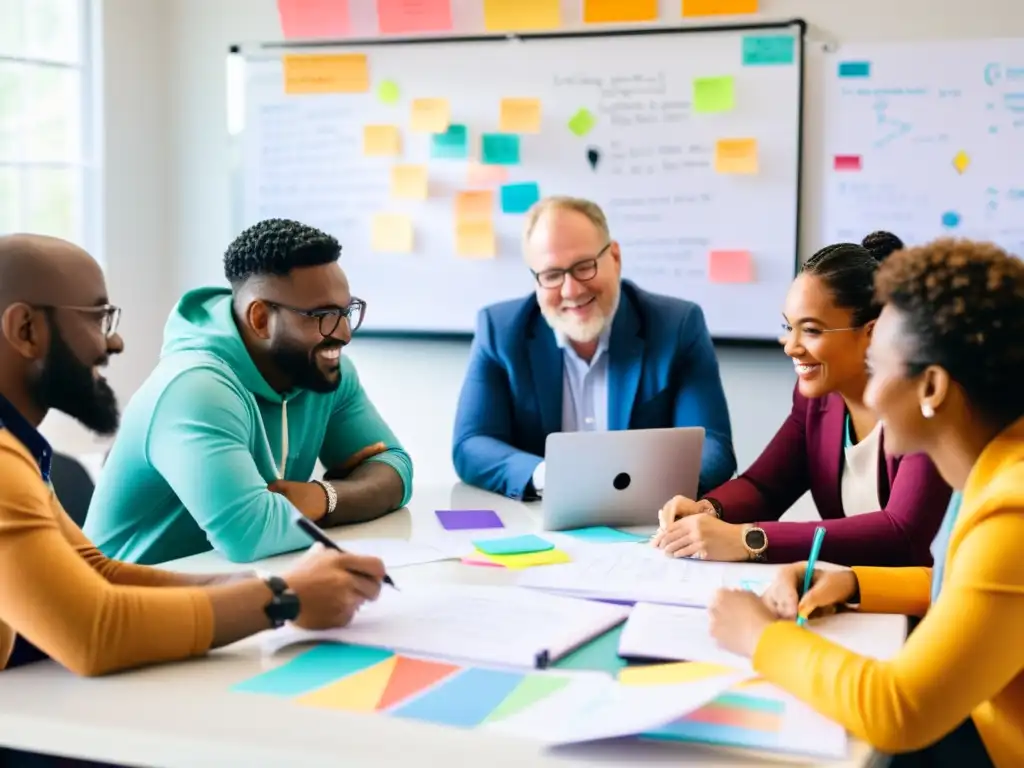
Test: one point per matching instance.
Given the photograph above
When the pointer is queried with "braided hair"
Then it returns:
(276, 247)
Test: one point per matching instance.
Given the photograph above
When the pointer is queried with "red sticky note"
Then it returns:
(313, 18)
(730, 267)
(402, 17)
(846, 162)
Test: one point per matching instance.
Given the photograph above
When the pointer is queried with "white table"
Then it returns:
(184, 716)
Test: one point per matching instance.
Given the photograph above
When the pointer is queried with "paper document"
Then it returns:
(399, 552)
(504, 626)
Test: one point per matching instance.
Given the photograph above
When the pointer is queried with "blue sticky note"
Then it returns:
(513, 545)
(517, 198)
(855, 69)
(453, 144)
(768, 50)
(314, 669)
(464, 700)
(499, 149)
(602, 534)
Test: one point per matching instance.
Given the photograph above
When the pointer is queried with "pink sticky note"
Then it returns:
(730, 267)
(471, 560)
(846, 162)
(313, 18)
(479, 175)
(402, 17)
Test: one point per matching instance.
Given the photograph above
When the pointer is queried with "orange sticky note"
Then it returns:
(476, 204)
(474, 238)
(518, 15)
(730, 267)
(736, 156)
(605, 11)
(326, 73)
(313, 18)
(402, 17)
(718, 7)
(430, 115)
(391, 233)
(381, 140)
(520, 116)
(409, 182)
(480, 175)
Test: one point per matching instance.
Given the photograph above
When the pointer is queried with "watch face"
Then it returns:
(755, 539)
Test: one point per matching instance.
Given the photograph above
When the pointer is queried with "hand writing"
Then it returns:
(308, 498)
(828, 589)
(737, 620)
(332, 586)
(704, 537)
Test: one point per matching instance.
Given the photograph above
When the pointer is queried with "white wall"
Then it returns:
(168, 198)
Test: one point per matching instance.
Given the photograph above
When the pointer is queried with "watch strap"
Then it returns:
(283, 605)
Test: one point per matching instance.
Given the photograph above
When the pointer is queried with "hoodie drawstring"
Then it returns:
(284, 440)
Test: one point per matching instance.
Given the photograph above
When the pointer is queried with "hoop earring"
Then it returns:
(927, 411)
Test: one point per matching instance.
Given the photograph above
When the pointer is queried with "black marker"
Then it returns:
(314, 532)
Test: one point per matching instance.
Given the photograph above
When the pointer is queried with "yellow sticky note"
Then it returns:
(430, 115)
(528, 559)
(736, 156)
(355, 693)
(409, 182)
(392, 233)
(608, 11)
(381, 140)
(667, 674)
(520, 115)
(326, 73)
(518, 15)
(474, 204)
(474, 238)
(718, 7)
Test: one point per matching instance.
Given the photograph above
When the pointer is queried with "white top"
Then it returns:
(860, 475)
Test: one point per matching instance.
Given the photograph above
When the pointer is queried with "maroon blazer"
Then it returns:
(807, 454)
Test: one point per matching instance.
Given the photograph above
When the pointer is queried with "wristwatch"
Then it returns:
(756, 542)
(284, 605)
(332, 495)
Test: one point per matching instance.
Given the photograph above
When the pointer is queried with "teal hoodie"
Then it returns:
(204, 436)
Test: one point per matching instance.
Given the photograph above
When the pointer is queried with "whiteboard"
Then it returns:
(302, 157)
(926, 140)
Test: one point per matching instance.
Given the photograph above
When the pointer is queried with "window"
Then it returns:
(48, 169)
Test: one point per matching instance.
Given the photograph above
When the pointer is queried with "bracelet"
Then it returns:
(332, 495)
(715, 506)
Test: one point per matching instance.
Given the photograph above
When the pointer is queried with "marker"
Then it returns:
(819, 534)
(314, 532)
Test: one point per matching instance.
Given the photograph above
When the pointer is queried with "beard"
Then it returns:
(66, 384)
(302, 368)
(582, 331)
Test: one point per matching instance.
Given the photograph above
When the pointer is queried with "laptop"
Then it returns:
(618, 478)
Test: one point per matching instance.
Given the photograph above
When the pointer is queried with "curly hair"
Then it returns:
(276, 247)
(962, 306)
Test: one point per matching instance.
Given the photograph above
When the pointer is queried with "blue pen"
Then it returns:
(819, 534)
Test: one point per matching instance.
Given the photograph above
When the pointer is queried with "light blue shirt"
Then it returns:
(941, 543)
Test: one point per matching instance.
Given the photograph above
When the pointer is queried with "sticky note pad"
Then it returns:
(381, 140)
(514, 545)
(409, 182)
(429, 115)
(517, 198)
(521, 15)
(313, 18)
(527, 559)
(388, 92)
(403, 17)
(846, 163)
(474, 238)
(736, 156)
(602, 534)
(474, 204)
(326, 73)
(608, 11)
(582, 122)
(768, 50)
(391, 233)
(855, 69)
(464, 700)
(480, 175)
(730, 267)
(520, 115)
(450, 144)
(499, 149)
(468, 519)
(718, 7)
(713, 94)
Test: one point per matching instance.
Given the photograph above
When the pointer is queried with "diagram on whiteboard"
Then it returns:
(923, 139)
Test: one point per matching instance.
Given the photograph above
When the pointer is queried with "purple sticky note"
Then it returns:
(468, 519)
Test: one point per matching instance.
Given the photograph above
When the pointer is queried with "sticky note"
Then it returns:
(855, 69)
(528, 559)
(388, 92)
(381, 140)
(582, 122)
(326, 73)
(317, 667)
(846, 163)
(450, 144)
(409, 182)
(481, 560)
(464, 700)
(520, 115)
(730, 267)
(391, 233)
(668, 674)
(517, 198)
(313, 18)
(468, 519)
(532, 689)
(402, 17)
(474, 204)
(608, 11)
(521, 15)
(358, 692)
(480, 175)
(474, 238)
(768, 50)
(718, 7)
(604, 535)
(429, 115)
(499, 149)
(713, 94)
(736, 156)
(514, 545)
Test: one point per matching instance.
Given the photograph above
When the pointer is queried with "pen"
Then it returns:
(819, 534)
(314, 532)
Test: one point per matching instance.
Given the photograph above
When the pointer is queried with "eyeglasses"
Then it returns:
(582, 271)
(788, 330)
(330, 319)
(108, 315)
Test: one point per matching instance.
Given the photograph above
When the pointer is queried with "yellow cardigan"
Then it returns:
(966, 658)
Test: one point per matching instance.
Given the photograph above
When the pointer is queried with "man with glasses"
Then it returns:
(588, 351)
(218, 446)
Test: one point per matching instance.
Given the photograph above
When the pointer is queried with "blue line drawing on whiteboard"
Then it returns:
(1014, 102)
(993, 198)
(993, 73)
(892, 128)
(951, 219)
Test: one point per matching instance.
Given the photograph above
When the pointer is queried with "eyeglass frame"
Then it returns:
(788, 329)
(111, 314)
(322, 314)
(590, 262)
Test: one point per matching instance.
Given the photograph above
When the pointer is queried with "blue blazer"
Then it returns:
(662, 372)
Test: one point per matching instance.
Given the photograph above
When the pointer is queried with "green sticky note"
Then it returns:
(499, 149)
(713, 94)
(453, 144)
(599, 655)
(388, 92)
(513, 545)
(582, 122)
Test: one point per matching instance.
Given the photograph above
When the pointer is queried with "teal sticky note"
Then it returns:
(499, 149)
(602, 534)
(513, 545)
(314, 669)
(453, 144)
(855, 69)
(768, 50)
(599, 655)
(517, 198)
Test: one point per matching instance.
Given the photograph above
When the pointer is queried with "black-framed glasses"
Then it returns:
(582, 271)
(330, 319)
(108, 315)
